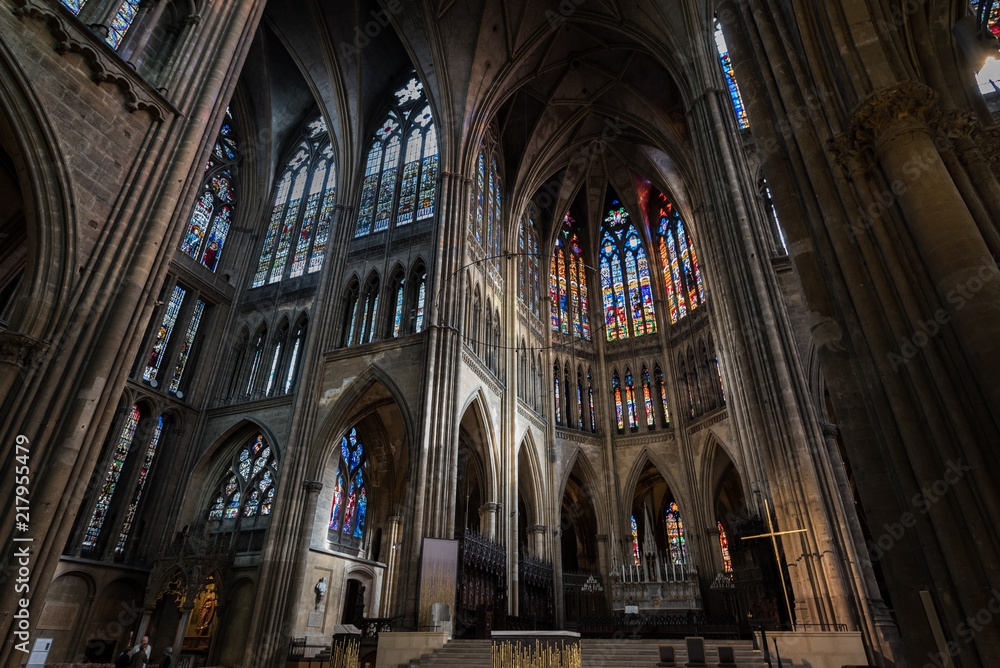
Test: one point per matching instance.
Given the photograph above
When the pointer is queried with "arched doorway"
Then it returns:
(578, 548)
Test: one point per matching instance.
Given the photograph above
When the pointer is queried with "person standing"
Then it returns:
(168, 658)
(138, 659)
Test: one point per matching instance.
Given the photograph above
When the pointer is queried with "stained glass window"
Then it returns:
(163, 333)
(121, 22)
(498, 231)
(727, 70)
(397, 317)
(579, 401)
(993, 21)
(185, 353)
(418, 324)
(74, 5)
(300, 335)
(401, 167)
(627, 292)
(213, 211)
(617, 391)
(675, 535)
(568, 283)
(528, 285)
(635, 540)
(302, 213)
(678, 262)
(590, 402)
(555, 380)
(724, 544)
(647, 396)
(350, 496)
(147, 463)
(633, 421)
(111, 480)
(248, 487)
(663, 397)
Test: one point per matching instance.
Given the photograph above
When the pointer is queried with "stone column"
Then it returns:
(392, 566)
(305, 521)
(894, 126)
(488, 519)
(181, 626)
(537, 539)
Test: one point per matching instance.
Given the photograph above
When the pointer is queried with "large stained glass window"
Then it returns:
(163, 333)
(527, 280)
(485, 221)
(992, 21)
(724, 544)
(147, 464)
(685, 290)
(401, 166)
(625, 281)
(568, 284)
(185, 352)
(555, 380)
(727, 70)
(350, 497)
(296, 237)
(93, 530)
(213, 211)
(675, 535)
(248, 487)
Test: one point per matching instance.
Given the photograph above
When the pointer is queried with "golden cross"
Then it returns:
(777, 556)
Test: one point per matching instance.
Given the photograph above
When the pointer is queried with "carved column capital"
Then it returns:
(887, 113)
(312, 486)
(830, 430)
(21, 351)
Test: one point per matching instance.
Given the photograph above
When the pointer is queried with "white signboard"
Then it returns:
(39, 653)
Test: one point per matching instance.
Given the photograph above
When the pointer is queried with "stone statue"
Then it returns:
(320, 591)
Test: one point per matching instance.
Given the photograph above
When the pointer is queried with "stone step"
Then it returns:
(597, 653)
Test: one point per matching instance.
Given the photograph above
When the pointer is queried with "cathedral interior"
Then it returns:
(322, 313)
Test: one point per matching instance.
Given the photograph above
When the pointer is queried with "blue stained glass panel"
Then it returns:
(121, 22)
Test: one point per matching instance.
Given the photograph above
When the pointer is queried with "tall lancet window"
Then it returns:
(527, 280)
(121, 22)
(213, 211)
(246, 491)
(296, 237)
(401, 165)
(140, 485)
(727, 562)
(727, 71)
(635, 540)
(350, 493)
(678, 261)
(675, 535)
(118, 458)
(568, 284)
(628, 295)
(616, 391)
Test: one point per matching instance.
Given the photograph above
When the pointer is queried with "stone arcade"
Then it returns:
(498, 314)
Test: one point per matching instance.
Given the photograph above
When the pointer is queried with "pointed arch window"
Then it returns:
(350, 497)
(369, 313)
(120, 454)
(555, 380)
(617, 392)
(247, 489)
(625, 278)
(727, 71)
(633, 421)
(579, 399)
(213, 211)
(163, 333)
(397, 296)
(421, 296)
(727, 562)
(390, 192)
(590, 402)
(663, 396)
(679, 263)
(147, 464)
(635, 540)
(568, 284)
(647, 396)
(296, 352)
(122, 21)
(528, 265)
(304, 198)
(675, 535)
